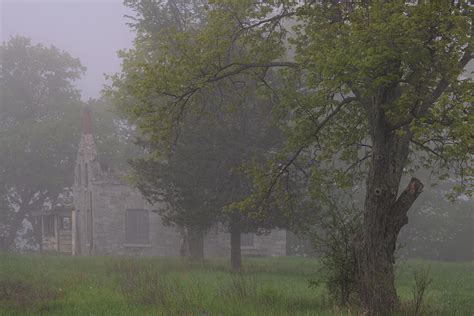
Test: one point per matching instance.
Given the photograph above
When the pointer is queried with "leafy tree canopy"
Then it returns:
(39, 105)
(364, 87)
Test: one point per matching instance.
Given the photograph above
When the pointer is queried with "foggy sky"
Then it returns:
(91, 30)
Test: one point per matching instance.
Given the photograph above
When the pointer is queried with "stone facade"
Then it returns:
(103, 218)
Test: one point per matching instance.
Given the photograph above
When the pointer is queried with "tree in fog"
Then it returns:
(199, 174)
(370, 83)
(204, 174)
(37, 112)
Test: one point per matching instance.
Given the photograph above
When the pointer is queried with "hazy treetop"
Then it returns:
(92, 30)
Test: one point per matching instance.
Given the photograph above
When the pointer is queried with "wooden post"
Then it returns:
(73, 232)
(42, 233)
(56, 230)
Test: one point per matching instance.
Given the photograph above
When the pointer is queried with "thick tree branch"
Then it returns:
(406, 199)
(428, 102)
(443, 84)
(241, 67)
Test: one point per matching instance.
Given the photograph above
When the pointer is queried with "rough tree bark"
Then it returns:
(235, 251)
(385, 213)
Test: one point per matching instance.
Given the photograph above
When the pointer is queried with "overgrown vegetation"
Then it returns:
(334, 238)
(52, 285)
(422, 282)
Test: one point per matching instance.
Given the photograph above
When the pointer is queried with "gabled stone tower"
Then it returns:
(110, 216)
(86, 170)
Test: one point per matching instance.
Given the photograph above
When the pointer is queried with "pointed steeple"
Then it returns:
(86, 168)
(86, 120)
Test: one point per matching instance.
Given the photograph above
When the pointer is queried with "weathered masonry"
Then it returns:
(111, 218)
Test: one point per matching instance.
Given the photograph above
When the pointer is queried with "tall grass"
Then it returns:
(50, 285)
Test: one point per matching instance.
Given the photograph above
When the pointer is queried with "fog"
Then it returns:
(91, 30)
(284, 156)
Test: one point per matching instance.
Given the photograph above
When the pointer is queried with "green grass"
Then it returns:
(59, 285)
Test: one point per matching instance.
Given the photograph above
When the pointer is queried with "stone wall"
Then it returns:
(110, 202)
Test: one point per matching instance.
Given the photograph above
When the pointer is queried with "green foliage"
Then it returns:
(36, 81)
(360, 90)
(197, 166)
(348, 62)
(38, 101)
(38, 127)
(334, 239)
(204, 174)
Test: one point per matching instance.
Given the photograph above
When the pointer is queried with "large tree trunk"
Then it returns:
(385, 213)
(235, 250)
(3, 247)
(196, 244)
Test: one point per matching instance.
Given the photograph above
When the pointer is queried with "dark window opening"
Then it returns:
(247, 240)
(89, 226)
(48, 226)
(137, 227)
(79, 175)
(86, 175)
(66, 223)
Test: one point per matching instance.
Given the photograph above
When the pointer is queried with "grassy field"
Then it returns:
(59, 285)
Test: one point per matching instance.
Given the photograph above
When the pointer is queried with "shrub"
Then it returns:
(335, 239)
(422, 282)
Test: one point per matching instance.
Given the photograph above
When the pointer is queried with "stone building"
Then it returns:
(109, 217)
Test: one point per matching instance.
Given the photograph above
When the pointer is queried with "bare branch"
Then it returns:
(428, 149)
(290, 162)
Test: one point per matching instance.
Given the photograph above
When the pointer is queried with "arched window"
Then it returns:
(79, 175)
(86, 175)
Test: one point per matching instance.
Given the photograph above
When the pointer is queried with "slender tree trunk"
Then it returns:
(385, 213)
(3, 247)
(36, 223)
(184, 250)
(25, 208)
(196, 244)
(235, 251)
(15, 225)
